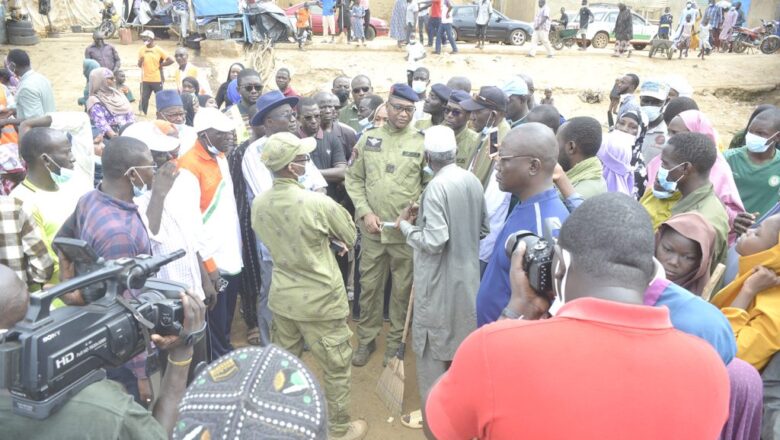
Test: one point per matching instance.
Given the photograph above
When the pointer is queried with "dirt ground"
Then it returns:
(727, 88)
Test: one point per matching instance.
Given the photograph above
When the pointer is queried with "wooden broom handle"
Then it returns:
(408, 314)
(715, 278)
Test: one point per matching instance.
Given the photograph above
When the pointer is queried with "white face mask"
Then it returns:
(560, 294)
(419, 86)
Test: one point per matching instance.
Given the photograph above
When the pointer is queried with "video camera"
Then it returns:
(52, 355)
(539, 252)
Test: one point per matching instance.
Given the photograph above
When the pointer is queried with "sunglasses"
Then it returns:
(251, 87)
(408, 109)
(303, 159)
(361, 89)
(453, 111)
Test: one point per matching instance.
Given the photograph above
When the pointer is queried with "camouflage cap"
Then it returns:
(281, 148)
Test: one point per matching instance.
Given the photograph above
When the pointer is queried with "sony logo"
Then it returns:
(51, 336)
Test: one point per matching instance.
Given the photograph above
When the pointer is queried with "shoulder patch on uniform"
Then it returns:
(373, 144)
(410, 154)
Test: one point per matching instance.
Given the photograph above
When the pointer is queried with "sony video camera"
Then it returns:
(539, 252)
(53, 354)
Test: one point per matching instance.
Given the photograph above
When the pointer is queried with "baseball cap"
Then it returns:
(654, 89)
(515, 86)
(439, 139)
(152, 135)
(208, 117)
(281, 148)
(147, 34)
(489, 97)
(253, 392)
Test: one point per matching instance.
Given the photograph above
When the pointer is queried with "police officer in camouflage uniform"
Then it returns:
(458, 119)
(307, 297)
(385, 174)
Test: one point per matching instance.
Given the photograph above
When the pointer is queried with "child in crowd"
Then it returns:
(665, 24)
(303, 24)
(120, 77)
(414, 53)
(704, 38)
(358, 13)
(752, 301)
(548, 99)
(684, 43)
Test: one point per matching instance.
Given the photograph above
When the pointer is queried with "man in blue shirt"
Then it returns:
(524, 163)
(328, 19)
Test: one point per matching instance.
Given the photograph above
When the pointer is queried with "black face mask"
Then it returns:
(343, 95)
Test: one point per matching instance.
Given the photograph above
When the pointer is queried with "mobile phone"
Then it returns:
(494, 142)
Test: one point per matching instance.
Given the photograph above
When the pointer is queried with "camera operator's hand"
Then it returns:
(145, 391)
(524, 300)
(194, 318)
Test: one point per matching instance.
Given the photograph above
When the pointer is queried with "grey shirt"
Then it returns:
(451, 221)
(34, 97)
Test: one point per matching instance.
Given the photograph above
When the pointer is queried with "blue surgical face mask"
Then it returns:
(210, 147)
(651, 111)
(663, 179)
(138, 192)
(428, 170)
(419, 86)
(302, 177)
(756, 143)
(364, 123)
(64, 173)
(661, 194)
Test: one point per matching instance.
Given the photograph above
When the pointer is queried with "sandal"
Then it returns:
(253, 336)
(413, 420)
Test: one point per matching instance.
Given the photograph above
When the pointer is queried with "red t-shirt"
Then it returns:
(598, 370)
(436, 8)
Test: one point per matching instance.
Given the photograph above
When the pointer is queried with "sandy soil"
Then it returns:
(727, 88)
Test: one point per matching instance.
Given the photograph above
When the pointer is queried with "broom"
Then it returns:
(390, 387)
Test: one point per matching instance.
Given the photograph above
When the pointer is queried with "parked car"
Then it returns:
(501, 29)
(600, 32)
(376, 26)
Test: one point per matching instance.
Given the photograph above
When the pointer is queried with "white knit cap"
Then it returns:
(440, 139)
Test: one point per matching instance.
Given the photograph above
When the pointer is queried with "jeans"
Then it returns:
(146, 92)
(422, 24)
(220, 319)
(445, 29)
(264, 315)
(433, 29)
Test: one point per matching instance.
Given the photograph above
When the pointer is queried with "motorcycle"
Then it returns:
(109, 20)
(746, 38)
(771, 43)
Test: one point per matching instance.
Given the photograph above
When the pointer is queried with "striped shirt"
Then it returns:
(21, 246)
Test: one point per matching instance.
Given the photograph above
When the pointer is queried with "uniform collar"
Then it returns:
(616, 314)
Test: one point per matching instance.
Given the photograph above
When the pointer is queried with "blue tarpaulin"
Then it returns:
(204, 8)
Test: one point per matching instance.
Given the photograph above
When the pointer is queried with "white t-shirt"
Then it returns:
(415, 52)
(444, 18)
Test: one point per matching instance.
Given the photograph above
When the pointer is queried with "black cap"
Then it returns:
(442, 91)
(489, 97)
(403, 91)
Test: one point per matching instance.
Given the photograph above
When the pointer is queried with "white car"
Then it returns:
(600, 31)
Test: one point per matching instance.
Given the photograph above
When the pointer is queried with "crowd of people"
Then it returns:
(659, 319)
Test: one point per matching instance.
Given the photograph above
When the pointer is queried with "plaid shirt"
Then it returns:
(114, 229)
(21, 246)
(714, 15)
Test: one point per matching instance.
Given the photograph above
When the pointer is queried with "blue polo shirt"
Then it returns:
(327, 7)
(530, 215)
(691, 314)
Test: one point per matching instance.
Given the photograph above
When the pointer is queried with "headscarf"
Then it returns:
(692, 226)
(88, 66)
(100, 92)
(188, 100)
(232, 92)
(194, 82)
(698, 122)
(203, 99)
(615, 156)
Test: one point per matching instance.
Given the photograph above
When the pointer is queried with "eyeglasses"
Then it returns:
(250, 87)
(139, 167)
(361, 89)
(495, 156)
(453, 111)
(173, 115)
(305, 159)
(311, 117)
(408, 109)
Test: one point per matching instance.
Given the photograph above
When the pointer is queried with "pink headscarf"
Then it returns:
(720, 175)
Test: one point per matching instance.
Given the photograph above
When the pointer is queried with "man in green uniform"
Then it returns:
(384, 176)
(434, 106)
(457, 119)
(361, 87)
(307, 297)
(488, 118)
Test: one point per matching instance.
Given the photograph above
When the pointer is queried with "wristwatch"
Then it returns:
(507, 313)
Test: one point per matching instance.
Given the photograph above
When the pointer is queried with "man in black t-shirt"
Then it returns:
(329, 156)
(586, 17)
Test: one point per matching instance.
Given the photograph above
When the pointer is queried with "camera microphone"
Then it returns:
(142, 269)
